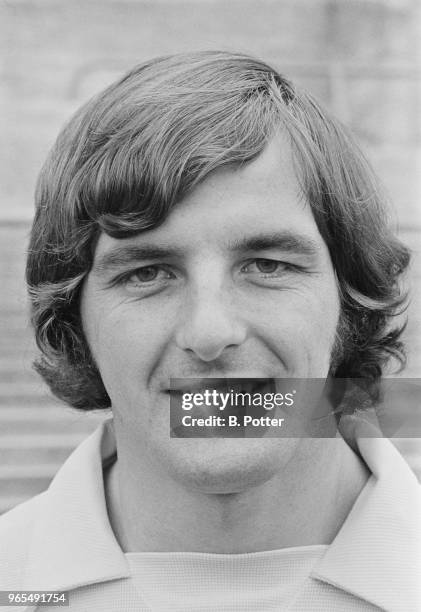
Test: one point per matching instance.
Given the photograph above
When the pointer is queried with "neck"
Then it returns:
(300, 506)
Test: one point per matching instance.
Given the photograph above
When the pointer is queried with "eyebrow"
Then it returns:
(127, 254)
(285, 241)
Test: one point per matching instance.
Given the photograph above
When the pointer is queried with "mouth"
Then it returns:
(222, 396)
(218, 406)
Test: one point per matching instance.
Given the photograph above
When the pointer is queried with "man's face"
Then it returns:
(236, 283)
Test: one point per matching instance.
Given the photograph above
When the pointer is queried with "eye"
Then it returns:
(267, 266)
(147, 274)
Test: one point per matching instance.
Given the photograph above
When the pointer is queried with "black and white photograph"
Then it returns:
(210, 261)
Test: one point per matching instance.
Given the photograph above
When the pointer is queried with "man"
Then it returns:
(203, 219)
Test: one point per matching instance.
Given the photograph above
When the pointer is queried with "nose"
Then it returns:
(210, 325)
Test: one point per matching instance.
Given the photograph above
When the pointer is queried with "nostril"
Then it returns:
(208, 345)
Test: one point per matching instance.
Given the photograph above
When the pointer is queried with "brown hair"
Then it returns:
(133, 151)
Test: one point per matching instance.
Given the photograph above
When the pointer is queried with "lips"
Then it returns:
(238, 396)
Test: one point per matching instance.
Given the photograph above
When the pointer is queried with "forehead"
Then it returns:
(263, 196)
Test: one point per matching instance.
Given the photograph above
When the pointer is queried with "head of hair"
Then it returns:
(129, 155)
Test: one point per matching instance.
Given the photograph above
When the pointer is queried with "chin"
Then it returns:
(226, 465)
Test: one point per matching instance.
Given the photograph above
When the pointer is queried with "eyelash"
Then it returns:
(287, 267)
(124, 278)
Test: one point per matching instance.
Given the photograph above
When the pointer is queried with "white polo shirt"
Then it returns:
(61, 540)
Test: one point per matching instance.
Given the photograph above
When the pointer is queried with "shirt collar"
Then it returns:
(73, 543)
(375, 556)
(377, 553)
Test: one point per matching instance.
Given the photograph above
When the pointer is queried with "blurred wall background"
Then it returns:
(360, 57)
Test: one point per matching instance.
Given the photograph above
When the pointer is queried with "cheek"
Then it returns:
(320, 331)
(321, 316)
(126, 343)
(300, 327)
